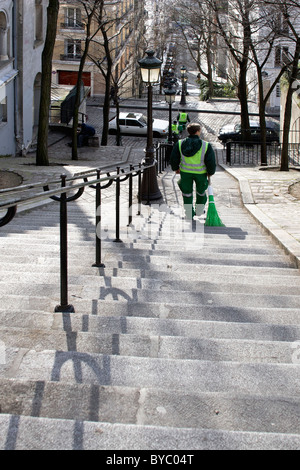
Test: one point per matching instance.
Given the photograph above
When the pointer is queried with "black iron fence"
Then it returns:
(247, 153)
(97, 179)
(163, 154)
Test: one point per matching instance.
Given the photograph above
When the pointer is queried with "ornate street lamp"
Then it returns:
(183, 81)
(150, 71)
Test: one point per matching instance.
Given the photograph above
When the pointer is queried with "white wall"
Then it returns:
(7, 78)
(29, 66)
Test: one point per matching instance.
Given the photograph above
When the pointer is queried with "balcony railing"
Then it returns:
(72, 57)
(75, 25)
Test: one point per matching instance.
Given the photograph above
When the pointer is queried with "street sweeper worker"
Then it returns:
(195, 161)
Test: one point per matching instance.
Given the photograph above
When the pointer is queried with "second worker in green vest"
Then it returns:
(195, 160)
(183, 119)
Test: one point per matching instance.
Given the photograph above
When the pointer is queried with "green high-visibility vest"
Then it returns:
(175, 129)
(183, 117)
(194, 164)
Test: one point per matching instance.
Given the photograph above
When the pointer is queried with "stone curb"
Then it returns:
(285, 240)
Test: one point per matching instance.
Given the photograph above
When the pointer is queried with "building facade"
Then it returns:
(124, 28)
(8, 74)
(22, 33)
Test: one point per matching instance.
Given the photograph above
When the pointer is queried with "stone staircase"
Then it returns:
(188, 339)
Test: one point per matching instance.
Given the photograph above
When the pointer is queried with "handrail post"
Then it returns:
(98, 263)
(139, 189)
(64, 306)
(228, 153)
(148, 184)
(117, 239)
(130, 197)
(158, 158)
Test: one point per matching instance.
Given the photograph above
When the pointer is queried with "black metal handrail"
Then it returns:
(92, 179)
(249, 153)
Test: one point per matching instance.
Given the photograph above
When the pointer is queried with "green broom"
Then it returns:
(212, 219)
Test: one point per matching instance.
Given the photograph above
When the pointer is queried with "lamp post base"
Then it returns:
(64, 309)
(149, 188)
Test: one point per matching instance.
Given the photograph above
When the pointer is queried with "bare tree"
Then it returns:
(287, 16)
(198, 31)
(291, 12)
(106, 62)
(93, 14)
(120, 85)
(233, 20)
(264, 36)
(43, 127)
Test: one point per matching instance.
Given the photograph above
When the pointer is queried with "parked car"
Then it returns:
(233, 132)
(136, 123)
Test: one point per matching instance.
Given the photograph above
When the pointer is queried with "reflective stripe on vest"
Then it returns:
(194, 164)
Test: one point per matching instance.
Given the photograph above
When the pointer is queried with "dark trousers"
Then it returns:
(186, 185)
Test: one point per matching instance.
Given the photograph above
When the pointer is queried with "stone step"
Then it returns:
(141, 234)
(150, 407)
(16, 307)
(48, 246)
(15, 282)
(203, 256)
(158, 346)
(156, 211)
(134, 325)
(29, 433)
(165, 208)
(169, 327)
(234, 299)
(185, 375)
(216, 260)
(236, 221)
(165, 240)
(134, 261)
(161, 247)
(162, 271)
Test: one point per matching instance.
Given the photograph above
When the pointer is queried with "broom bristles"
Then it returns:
(212, 218)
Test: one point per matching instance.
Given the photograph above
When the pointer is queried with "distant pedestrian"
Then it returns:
(183, 119)
(175, 131)
(195, 161)
(86, 131)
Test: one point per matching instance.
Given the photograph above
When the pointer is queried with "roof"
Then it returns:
(130, 115)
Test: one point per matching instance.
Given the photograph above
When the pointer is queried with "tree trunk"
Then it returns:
(43, 128)
(106, 105)
(117, 104)
(210, 72)
(242, 95)
(262, 119)
(106, 108)
(77, 103)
